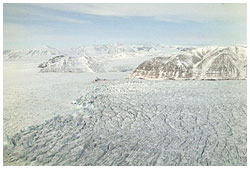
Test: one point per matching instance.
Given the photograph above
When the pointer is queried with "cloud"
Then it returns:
(164, 12)
(177, 13)
(61, 19)
(65, 24)
(28, 12)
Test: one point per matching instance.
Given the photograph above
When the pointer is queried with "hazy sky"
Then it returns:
(72, 25)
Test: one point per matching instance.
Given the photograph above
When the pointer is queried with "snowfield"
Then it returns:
(139, 122)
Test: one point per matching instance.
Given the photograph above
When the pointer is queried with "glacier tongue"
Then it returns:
(138, 122)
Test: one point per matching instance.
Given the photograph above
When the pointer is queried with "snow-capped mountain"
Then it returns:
(63, 63)
(199, 63)
(37, 54)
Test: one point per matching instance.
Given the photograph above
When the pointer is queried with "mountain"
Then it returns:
(199, 63)
(36, 54)
(63, 63)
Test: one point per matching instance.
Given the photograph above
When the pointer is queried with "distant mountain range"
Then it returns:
(110, 51)
(36, 54)
(103, 58)
(155, 61)
(95, 58)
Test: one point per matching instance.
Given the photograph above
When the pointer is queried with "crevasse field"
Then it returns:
(66, 119)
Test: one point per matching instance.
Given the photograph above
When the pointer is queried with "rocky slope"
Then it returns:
(198, 63)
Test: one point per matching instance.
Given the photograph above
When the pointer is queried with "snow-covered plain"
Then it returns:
(71, 119)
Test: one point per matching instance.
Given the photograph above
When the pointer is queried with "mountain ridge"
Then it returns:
(201, 63)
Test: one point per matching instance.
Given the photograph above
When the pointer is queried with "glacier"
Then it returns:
(138, 122)
(115, 105)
